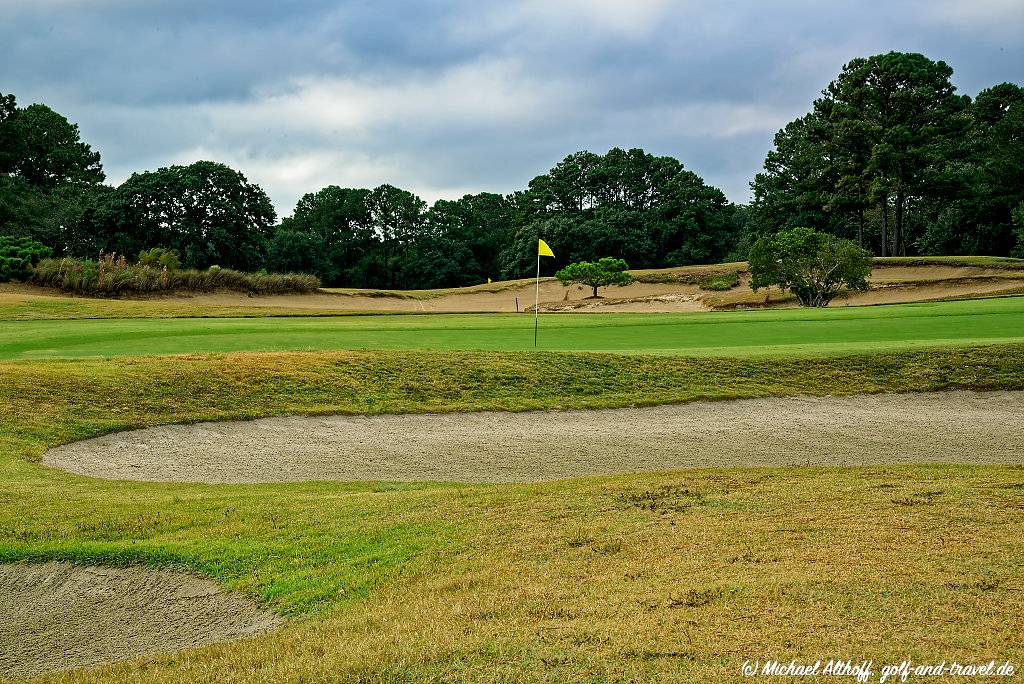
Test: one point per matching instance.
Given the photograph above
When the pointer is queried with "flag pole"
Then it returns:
(536, 303)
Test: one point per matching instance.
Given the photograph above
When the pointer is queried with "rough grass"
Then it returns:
(16, 305)
(678, 576)
(720, 282)
(1006, 263)
(110, 277)
(691, 275)
(747, 333)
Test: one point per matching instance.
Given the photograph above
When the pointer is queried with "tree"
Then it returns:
(57, 217)
(43, 147)
(49, 179)
(876, 157)
(646, 208)
(18, 255)
(329, 234)
(293, 251)
(1018, 222)
(811, 265)
(605, 271)
(206, 212)
(905, 111)
(483, 223)
(395, 217)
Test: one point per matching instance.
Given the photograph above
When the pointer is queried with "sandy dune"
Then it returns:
(891, 285)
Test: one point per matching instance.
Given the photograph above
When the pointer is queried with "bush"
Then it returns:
(113, 275)
(811, 265)
(18, 255)
(158, 257)
(720, 282)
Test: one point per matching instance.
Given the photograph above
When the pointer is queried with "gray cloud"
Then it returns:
(457, 96)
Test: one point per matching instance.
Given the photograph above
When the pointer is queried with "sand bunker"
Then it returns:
(943, 427)
(57, 616)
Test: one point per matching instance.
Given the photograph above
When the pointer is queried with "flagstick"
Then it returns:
(536, 304)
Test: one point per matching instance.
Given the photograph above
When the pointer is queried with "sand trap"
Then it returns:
(943, 427)
(56, 616)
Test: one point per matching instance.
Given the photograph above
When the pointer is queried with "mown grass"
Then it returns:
(746, 333)
(678, 576)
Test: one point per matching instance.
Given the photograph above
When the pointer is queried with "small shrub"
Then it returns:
(720, 282)
(600, 273)
(158, 257)
(113, 275)
(18, 255)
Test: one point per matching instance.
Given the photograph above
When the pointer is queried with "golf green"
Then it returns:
(749, 333)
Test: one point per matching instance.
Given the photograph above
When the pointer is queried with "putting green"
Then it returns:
(750, 333)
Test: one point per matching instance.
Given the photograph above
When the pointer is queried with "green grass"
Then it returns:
(750, 333)
(558, 582)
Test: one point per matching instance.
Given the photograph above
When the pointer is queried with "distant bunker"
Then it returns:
(940, 427)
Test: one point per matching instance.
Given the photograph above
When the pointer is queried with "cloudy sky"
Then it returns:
(457, 96)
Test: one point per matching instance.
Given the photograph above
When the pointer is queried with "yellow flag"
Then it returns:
(488, 281)
(543, 249)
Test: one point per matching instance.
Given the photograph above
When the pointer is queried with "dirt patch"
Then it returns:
(56, 616)
(944, 427)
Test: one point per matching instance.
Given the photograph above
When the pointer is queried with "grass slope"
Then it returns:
(677, 576)
(774, 332)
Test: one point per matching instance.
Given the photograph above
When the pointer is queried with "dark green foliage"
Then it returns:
(720, 282)
(603, 272)
(49, 179)
(395, 219)
(113, 275)
(811, 265)
(58, 216)
(42, 147)
(329, 234)
(205, 212)
(158, 257)
(1018, 222)
(645, 209)
(18, 255)
(891, 156)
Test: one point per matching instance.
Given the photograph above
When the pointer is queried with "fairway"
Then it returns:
(749, 333)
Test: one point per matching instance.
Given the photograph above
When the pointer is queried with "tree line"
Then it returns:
(890, 156)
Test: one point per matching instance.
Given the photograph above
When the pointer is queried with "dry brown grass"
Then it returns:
(573, 582)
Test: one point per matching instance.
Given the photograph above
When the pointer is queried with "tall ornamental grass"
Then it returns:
(113, 275)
